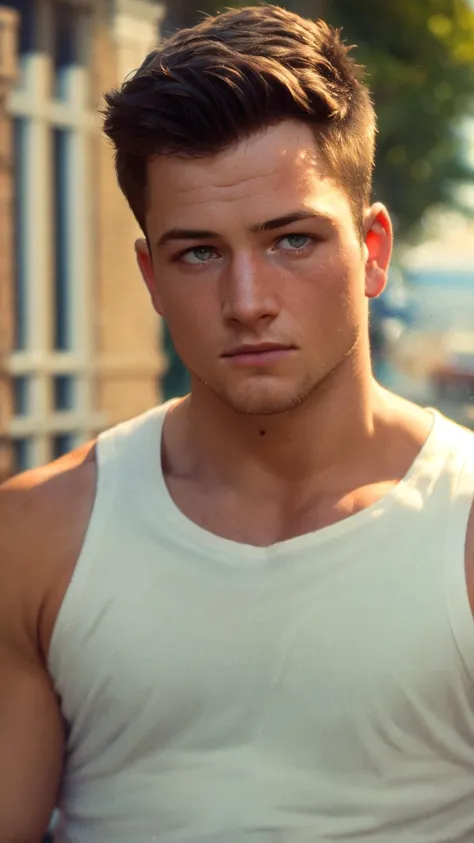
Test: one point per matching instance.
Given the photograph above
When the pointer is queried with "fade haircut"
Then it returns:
(229, 77)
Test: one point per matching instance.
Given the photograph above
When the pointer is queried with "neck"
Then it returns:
(333, 425)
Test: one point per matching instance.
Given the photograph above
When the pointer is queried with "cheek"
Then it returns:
(327, 285)
(331, 299)
(190, 315)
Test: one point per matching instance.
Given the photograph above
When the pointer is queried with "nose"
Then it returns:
(249, 291)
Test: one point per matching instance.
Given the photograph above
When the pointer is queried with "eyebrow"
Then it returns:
(258, 228)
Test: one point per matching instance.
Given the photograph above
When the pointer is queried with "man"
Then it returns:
(247, 615)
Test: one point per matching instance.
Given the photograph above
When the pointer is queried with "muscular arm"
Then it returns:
(31, 748)
(43, 517)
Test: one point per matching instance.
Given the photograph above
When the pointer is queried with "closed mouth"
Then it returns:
(257, 349)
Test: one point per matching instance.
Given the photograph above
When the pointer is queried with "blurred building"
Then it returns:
(441, 275)
(439, 350)
(80, 345)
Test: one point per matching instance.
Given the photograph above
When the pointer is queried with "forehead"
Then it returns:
(276, 171)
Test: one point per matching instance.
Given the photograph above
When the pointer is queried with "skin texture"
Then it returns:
(256, 286)
(258, 453)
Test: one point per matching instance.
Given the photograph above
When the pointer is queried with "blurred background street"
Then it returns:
(80, 346)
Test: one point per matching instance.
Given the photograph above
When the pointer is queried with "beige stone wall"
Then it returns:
(8, 34)
(121, 351)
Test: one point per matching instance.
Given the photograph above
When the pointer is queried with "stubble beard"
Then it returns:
(265, 402)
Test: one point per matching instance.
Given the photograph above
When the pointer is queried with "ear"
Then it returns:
(145, 264)
(378, 243)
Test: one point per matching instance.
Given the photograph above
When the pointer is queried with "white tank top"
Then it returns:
(321, 689)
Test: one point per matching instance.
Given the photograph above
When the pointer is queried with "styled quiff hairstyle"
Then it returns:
(231, 76)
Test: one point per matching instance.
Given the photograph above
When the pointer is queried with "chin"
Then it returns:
(265, 401)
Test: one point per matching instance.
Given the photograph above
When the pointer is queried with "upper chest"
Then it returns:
(263, 521)
(175, 649)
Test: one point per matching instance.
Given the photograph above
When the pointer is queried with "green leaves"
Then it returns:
(420, 60)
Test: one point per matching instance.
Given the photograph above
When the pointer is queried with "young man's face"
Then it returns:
(231, 267)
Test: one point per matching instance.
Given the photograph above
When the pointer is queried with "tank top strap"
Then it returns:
(124, 455)
(130, 440)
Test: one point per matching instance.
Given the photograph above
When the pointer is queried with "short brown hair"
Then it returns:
(233, 75)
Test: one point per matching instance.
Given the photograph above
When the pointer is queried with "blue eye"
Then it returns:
(201, 254)
(296, 242)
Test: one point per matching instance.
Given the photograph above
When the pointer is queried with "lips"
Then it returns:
(259, 356)
(260, 348)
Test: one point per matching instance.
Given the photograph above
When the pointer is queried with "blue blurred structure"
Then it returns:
(391, 315)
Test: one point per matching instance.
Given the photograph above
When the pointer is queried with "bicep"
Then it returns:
(31, 748)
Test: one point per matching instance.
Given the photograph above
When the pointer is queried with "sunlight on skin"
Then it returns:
(251, 290)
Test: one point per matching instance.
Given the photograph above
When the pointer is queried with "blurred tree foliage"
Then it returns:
(419, 56)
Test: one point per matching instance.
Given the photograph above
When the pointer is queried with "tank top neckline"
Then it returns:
(161, 508)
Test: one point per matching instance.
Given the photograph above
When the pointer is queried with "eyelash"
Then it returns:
(312, 240)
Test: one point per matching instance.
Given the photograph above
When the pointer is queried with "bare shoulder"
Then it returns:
(44, 515)
(43, 519)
